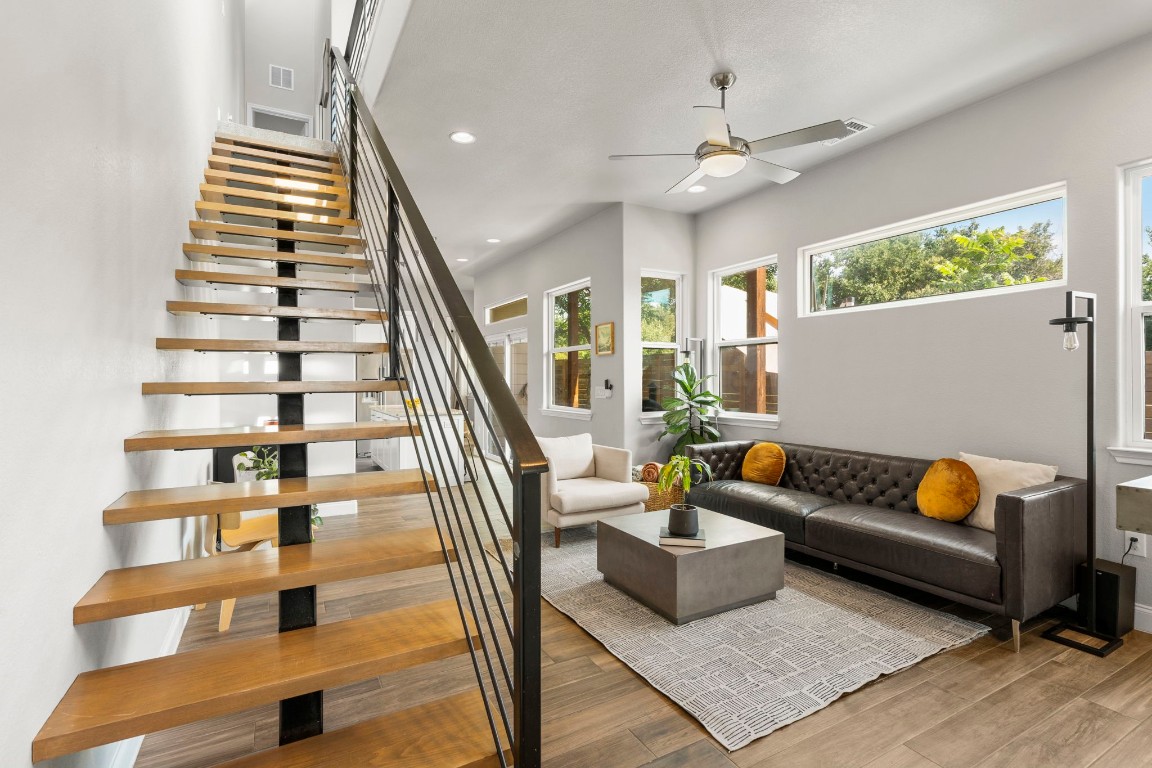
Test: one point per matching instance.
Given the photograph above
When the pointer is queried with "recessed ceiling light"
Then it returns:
(697, 189)
(493, 240)
(461, 259)
(462, 137)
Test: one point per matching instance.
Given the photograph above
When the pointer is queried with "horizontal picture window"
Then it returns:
(1016, 242)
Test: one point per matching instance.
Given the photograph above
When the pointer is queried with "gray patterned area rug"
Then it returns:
(747, 672)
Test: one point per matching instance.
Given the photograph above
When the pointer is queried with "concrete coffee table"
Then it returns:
(743, 563)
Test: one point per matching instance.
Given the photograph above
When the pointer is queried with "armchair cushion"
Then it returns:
(586, 494)
(613, 464)
(569, 457)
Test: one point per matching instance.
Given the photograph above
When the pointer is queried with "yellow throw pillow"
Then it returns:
(764, 463)
(949, 491)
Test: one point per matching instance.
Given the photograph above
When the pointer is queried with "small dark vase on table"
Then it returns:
(683, 520)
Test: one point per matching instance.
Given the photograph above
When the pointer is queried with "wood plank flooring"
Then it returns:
(979, 705)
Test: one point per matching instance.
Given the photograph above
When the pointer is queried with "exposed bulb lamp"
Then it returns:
(1086, 602)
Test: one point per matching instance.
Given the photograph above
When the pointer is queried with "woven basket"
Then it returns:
(658, 499)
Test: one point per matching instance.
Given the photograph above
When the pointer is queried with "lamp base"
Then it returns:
(1082, 639)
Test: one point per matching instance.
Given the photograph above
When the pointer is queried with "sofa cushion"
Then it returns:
(780, 509)
(854, 477)
(585, 494)
(764, 463)
(570, 456)
(949, 491)
(956, 557)
(999, 476)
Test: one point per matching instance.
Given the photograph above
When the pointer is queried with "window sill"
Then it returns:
(764, 421)
(1126, 455)
(652, 417)
(579, 415)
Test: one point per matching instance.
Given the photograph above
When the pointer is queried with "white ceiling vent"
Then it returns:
(854, 125)
(280, 77)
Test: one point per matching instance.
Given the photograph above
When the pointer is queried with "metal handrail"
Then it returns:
(522, 443)
(416, 290)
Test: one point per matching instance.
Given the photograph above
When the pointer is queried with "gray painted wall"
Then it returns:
(113, 192)
(986, 374)
(288, 33)
(612, 248)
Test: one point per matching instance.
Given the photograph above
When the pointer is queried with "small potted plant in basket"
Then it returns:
(683, 519)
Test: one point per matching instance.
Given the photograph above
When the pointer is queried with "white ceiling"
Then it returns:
(552, 87)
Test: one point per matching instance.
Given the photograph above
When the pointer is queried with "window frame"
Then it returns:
(505, 339)
(678, 277)
(1136, 309)
(548, 407)
(488, 310)
(1048, 192)
(716, 345)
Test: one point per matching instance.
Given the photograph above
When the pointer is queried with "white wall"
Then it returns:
(111, 111)
(985, 374)
(287, 33)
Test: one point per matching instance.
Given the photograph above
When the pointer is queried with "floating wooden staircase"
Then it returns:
(267, 201)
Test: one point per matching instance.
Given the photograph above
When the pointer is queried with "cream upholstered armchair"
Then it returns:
(587, 482)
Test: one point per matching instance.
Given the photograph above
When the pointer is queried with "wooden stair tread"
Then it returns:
(211, 230)
(300, 202)
(268, 310)
(224, 163)
(298, 347)
(287, 434)
(220, 498)
(227, 149)
(220, 252)
(204, 278)
(279, 146)
(213, 211)
(452, 732)
(268, 387)
(282, 183)
(147, 588)
(116, 703)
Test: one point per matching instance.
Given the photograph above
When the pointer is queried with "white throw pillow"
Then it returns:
(998, 476)
(569, 457)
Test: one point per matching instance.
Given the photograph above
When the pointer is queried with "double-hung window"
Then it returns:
(659, 331)
(568, 330)
(744, 301)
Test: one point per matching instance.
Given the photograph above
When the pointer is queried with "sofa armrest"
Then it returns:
(613, 463)
(725, 459)
(1040, 539)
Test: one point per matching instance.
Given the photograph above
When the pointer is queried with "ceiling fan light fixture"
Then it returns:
(723, 163)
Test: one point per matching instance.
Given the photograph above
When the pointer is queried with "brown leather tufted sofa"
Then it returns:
(859, 509)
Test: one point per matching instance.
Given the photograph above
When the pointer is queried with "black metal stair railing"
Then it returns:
(457, 397)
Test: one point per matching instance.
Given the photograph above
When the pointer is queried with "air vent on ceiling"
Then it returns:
(854, 125)
(280, 77)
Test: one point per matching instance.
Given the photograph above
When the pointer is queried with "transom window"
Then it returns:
(659, 332)
(1004, 244)
(568, 310)
(746, 310)
(508, 310)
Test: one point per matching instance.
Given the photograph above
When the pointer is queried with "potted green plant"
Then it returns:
(260, 463)
(683, 519)
(690, 414)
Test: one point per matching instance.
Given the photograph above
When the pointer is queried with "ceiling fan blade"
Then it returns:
(813, 133)
(679, 154)
(777, 173)
(714, 123)
(687, 181)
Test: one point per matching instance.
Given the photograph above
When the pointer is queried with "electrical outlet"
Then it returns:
(1138, 543)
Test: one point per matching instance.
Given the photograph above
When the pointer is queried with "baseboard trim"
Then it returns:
(1143, 621)
(127, 751)
(338, 508)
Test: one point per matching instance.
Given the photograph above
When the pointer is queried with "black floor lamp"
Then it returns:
(1065, 633)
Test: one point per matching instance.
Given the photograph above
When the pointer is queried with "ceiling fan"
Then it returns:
(723, 154)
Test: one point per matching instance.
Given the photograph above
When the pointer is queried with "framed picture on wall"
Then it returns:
(605, 338)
